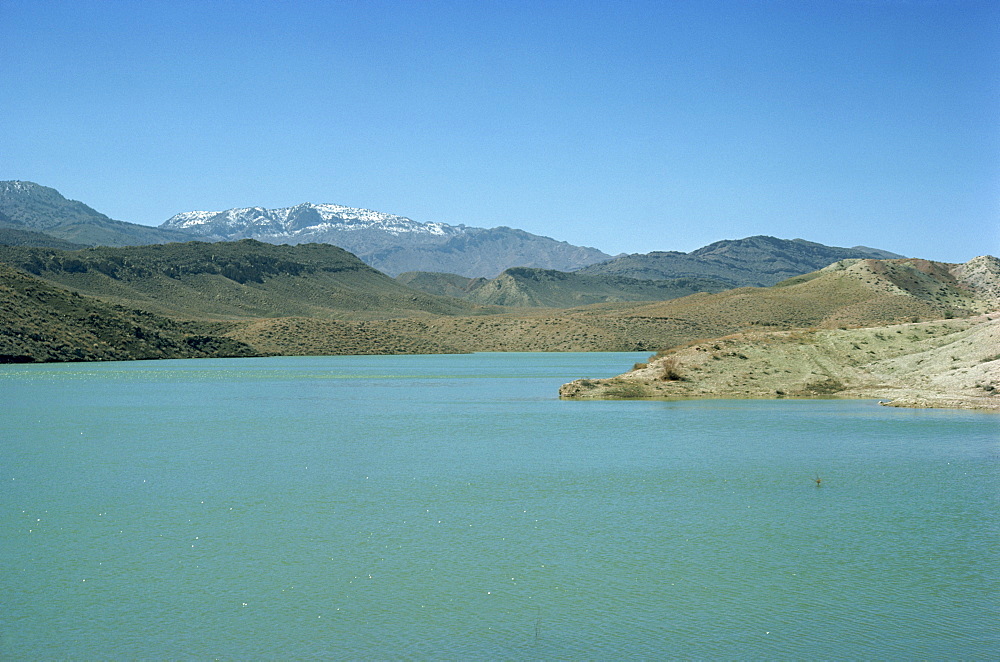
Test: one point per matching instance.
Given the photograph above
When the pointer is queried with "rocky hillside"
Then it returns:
(954, 288)
(390, 243)
(12, 237)
(30, 206)
(232, 280)
(757, 261)
(840, 297)
(41, 323)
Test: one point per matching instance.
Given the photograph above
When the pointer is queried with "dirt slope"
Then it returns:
(946, 363)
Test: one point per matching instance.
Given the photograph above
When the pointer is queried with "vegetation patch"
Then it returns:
(626, 390)
(671, 370)
(828, 386)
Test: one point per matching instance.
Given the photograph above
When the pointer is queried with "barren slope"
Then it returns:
(946, 363)
(949, 362)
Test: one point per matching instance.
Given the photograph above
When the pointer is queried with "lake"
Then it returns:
(452, 507)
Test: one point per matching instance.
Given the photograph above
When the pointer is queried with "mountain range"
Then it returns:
(390, 243)
(395, 244)
(251, 298)
(31, 207)
(756, 261)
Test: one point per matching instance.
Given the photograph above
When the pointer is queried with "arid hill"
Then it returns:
(946, 363)
(322, 302)
(42, 323)
(845, 343)
(854, 293)
(525, 287)
(244, 279)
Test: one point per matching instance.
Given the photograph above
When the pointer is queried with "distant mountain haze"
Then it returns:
(390, 243)
(757, 261)
(396, 244)
(30, 206)
(524, 287)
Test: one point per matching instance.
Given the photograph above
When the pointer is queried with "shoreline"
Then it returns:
(952, 364)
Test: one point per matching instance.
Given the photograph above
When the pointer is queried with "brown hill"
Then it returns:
(849, 294)
(947, 363)
(852, 348)
(278, 305)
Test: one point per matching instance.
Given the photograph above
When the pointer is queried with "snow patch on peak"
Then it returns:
(191, 218)
(17, 185)
(302, 220)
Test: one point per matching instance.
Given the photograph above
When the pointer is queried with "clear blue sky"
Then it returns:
(627, 126)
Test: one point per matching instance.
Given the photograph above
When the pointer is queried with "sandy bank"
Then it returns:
(945, 363)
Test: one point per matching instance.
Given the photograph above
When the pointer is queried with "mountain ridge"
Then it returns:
(232, 280)
(397, 244)
(756, 261)
(526, 287)
(33, 207)
(375, 237)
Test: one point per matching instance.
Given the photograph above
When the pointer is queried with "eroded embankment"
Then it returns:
(947, 363)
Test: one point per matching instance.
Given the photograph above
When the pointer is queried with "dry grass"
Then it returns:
(853, 296)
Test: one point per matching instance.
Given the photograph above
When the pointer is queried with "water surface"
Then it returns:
(451, 507)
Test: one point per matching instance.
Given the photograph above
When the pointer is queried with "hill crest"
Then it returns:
(30, 206)
(232, 280)
(757, 261)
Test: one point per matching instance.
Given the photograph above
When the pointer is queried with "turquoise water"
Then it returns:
(451, 507)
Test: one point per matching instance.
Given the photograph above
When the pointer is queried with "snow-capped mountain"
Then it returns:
(393, 244)
(302, 220)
